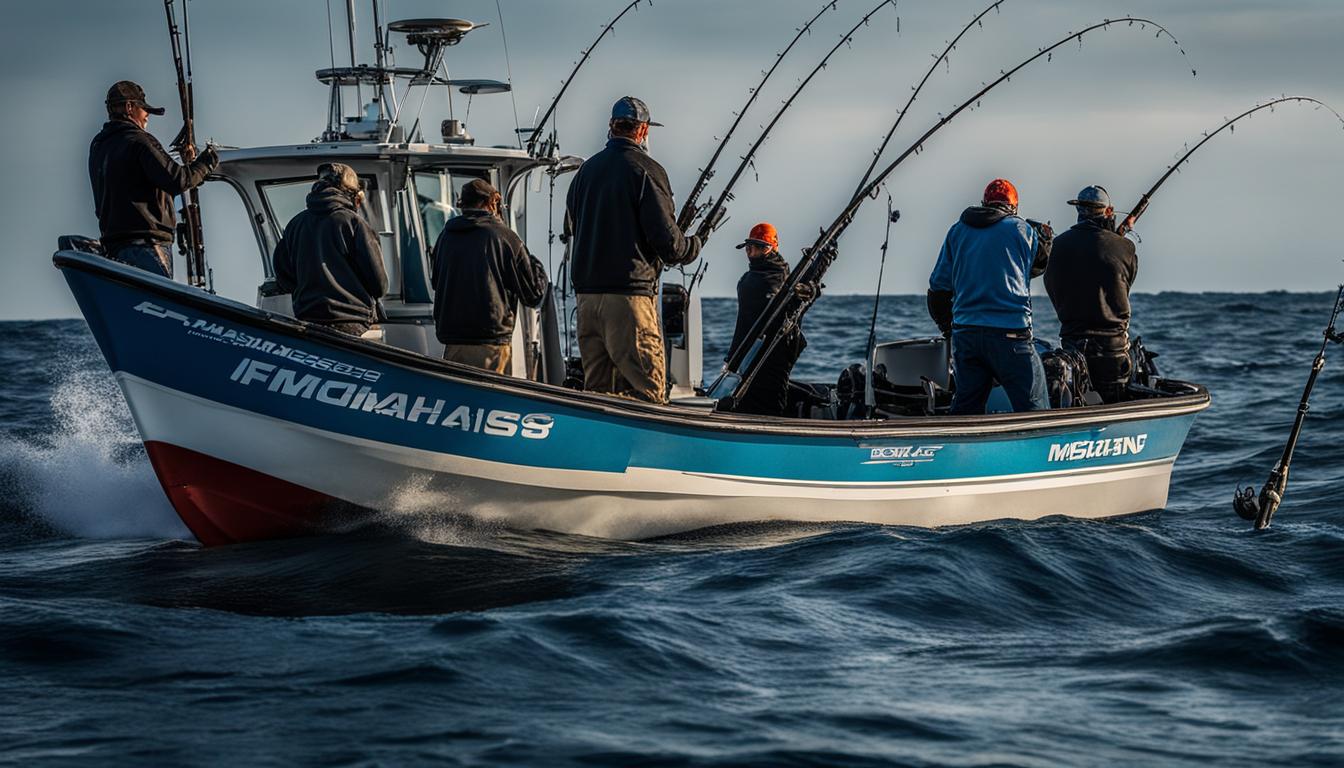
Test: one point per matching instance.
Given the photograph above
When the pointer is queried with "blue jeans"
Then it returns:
(146, 255)
(980, 356)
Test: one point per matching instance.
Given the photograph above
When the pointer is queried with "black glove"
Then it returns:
(940, 309)
(806, 291)
(1046, 232)
(209, 158)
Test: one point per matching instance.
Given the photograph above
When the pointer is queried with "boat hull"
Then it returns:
(260, 427)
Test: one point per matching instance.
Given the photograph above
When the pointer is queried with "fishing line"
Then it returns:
(540, 126)
(1139, 208)
(939, 59)
(689, 210)
(869, 394)
(818, 258)
(714, 212)
(508, 67)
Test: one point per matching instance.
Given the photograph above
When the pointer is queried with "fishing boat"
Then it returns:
(261, 426)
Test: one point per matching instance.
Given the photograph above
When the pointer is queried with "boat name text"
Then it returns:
(224, 334)
(397, 405)
(1096, 449)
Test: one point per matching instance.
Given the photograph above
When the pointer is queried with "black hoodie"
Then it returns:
(1089, 278)
(762, 280)
(481, 271)
(624, 223)
(134, 182)
(330, 260)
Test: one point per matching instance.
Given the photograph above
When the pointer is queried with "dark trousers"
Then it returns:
(981, 356)
(144, 254)
(1108, 364)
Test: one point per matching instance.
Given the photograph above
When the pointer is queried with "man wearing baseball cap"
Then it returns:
(134, 181)
(1091, 272)
(623, 230)
(765, 275)
(329, 259)
(980, 292)
(481, 272)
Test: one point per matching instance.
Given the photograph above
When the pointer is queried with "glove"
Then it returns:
(210, 158)
(805, 291)
(1043, 229)
(940, 309)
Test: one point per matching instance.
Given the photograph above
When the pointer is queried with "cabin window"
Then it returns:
(286, 198)
(437, 192)
(433, 194)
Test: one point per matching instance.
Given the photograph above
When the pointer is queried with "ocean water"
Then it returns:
(1174, 637)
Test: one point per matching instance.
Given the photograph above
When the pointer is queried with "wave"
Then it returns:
(88, 475)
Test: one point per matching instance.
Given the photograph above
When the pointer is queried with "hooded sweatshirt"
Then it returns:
(762, 280)
(987, 262)
(481, 272)
(134, 182)
(1091, 272)
(330, 260)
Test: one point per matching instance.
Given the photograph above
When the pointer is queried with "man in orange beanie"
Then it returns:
(765, 275)
(980, 292)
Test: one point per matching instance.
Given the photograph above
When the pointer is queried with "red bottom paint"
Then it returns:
(223, 503)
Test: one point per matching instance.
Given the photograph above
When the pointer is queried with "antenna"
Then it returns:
(508, 68)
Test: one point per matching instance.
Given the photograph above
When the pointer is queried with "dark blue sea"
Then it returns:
(1173, 637)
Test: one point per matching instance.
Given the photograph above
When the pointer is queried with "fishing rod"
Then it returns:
(690, 211)
(914, 93)
(782, 314)
(870, 396)
(190, 237)
(1139, 208)
(1261, 510)
(535, 136)
(714, 211)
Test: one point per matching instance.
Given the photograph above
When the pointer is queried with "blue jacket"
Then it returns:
(987, 262)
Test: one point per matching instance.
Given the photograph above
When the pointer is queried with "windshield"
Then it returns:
(286, 198)
(436, 194)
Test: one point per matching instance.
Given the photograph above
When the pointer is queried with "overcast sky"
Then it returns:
(1254, 211)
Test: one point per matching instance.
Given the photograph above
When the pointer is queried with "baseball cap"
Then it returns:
(630, 108)
(476, 192)
(1094, 196)
(125, 91)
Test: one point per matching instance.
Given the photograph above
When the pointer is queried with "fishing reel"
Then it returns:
(1260, 509)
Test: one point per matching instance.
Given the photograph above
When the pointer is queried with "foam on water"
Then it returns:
(89, 476)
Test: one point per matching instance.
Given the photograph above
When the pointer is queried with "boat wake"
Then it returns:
(88, 475)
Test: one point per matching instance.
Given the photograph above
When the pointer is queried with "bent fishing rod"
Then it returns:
(537, 129)
(900, 114)
(714, 211)
(1230, 125)
(690, 211)
(783, 313)
(190, 237)
(1261, 510)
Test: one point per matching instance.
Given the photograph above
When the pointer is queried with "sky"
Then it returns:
(1252, 211)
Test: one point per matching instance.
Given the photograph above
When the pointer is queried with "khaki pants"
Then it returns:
(491, 357)
(621, 344)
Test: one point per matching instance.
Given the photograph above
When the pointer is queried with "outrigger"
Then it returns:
(260, 426)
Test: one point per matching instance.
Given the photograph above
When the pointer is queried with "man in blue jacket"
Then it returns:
(980, 291)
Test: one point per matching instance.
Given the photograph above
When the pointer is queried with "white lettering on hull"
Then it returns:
(397, 405)
(1081, 450)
